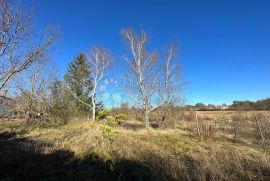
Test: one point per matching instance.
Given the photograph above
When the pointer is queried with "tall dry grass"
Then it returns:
(81, 150)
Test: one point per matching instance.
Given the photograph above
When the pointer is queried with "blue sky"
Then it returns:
(224, 44)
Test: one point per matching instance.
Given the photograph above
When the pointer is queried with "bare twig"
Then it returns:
(259, 126)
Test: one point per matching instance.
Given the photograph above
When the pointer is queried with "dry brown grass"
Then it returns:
(97, 152)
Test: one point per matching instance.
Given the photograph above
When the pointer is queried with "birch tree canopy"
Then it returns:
(19, 45)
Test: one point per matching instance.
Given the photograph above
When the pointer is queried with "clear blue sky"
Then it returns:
(225, 44)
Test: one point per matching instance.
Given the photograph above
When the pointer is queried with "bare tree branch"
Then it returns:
(18, 50)
(153, 85)
(100, 61)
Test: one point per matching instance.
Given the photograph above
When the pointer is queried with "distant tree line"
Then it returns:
(263, 104)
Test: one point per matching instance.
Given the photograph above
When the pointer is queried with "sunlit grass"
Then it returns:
(171, 150)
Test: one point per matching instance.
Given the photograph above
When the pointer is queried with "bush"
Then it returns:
(121, 116)
(102, 114)
(113, 123)
(108, 133)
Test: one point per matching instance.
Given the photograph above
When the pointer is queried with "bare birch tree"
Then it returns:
(19, 46)
(151, 79)
(99, 60)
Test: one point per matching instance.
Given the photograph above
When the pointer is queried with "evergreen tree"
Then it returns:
(79, 83)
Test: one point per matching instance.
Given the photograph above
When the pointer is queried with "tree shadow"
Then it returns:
(134, 126)
(27, 159)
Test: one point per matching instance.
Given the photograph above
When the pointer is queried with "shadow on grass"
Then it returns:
(26, 159)
(132, 126)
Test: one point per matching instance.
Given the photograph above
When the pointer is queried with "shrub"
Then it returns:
(108, 133)
(121, 116)
(113, 123)
(102, 114)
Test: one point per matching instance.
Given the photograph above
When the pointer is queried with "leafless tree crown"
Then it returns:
(153, 79)
(19, 47)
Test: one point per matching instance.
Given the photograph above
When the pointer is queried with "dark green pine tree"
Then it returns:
(79, 83)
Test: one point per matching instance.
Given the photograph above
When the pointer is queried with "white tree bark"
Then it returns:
(149, 81)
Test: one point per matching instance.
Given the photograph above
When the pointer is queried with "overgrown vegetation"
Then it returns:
(99, 151)
(54, 129)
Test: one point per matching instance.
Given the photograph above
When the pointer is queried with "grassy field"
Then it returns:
(82, 150)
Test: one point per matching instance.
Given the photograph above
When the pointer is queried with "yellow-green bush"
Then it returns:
(121, 116)
(102, 114)
(108, 133)
(113, 123)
